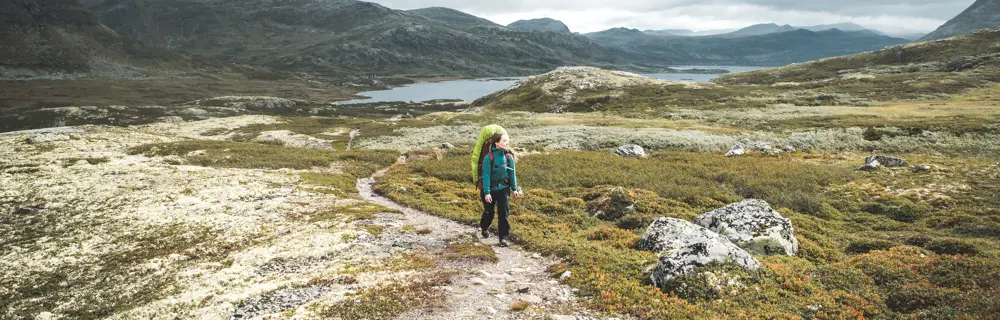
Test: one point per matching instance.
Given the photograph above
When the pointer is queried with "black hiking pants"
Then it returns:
(501, 201)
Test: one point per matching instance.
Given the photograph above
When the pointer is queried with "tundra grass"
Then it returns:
(924, 264)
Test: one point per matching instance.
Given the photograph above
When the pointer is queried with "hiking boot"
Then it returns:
(503, 242)
(486, 234)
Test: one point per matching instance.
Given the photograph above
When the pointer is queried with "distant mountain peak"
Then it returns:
(980, 15)
(540, 24)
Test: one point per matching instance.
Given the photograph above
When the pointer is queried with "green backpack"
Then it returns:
(477, 156)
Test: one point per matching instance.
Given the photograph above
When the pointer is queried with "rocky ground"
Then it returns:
(92, 231)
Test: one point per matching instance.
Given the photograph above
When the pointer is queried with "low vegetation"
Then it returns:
(850, 224)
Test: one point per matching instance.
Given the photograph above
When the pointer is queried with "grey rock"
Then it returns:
(489, 310)
(45, 137)
(278, 300)
(736, 151)
(478, 281)
(536, 255)
(788, 148)
(523, 289)
(533, 299)
(447, 146)
(759, 146)
(565, 317)
(631, 151)
(170, 119)
(754, 226)
(870, 165)
(683, 246)
(889, 162)
(922, 168)
(565, 275)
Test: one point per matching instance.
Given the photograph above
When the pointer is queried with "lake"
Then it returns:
(470, 90)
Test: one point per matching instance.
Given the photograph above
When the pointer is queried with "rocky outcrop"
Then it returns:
(631, 151)
(754, 226)
(683, 246)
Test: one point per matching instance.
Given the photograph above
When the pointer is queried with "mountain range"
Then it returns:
(771, 49)
(333, 38)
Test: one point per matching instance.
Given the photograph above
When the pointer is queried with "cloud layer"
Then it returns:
(890, 16)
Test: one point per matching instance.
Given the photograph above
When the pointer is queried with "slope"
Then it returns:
(982, 14)
(59, 39)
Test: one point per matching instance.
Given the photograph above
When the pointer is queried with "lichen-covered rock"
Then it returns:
(736, 151)
(45, 137)
(447, 146)
(631, 151)
(754, 226)
(684, 246)
(889, 162)
(788, 148)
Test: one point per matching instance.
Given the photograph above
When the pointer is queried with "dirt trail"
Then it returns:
(482, 290)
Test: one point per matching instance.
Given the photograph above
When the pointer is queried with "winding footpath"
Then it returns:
(482, 290)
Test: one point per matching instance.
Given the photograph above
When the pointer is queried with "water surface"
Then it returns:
(469, 90)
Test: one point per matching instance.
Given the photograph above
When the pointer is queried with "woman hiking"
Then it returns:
(497, 182)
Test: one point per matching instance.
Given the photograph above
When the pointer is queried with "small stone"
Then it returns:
(922, 168)
(871, 165)
(44, 316)
(535, 300)
(536, 255)
(788, 148)
(565, 275)
(736, 151)
(478, 281)
(484, 274)
(517, 270)
(489, 310)
(447, 146)
(523, 289)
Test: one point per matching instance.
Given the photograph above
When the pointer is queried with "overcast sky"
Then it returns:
(889, 16)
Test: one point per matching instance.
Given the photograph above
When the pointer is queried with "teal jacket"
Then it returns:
(499, 170)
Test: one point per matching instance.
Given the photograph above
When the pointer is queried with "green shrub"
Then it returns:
(865, 245)
(951, 246)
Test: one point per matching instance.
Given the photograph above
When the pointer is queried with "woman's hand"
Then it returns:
(488, 198)
(517, 194)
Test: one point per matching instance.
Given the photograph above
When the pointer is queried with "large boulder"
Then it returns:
(684, 246)
(631, 151)
(754, 226)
